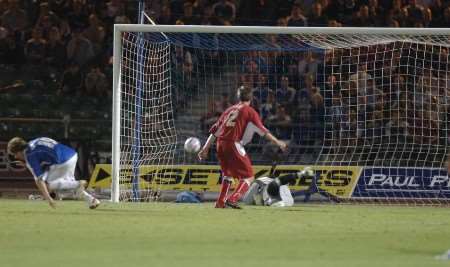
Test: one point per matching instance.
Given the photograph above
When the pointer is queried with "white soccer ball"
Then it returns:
(307, 172)
(192, 145)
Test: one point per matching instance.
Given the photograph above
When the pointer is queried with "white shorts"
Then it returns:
(64, 171)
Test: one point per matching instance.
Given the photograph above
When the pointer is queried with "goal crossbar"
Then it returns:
(280, 30)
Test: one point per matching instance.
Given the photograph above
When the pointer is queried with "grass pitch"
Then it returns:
(168, 234)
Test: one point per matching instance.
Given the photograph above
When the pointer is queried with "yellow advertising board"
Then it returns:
(336, 180)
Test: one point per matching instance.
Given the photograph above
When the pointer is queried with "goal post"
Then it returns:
(373, 101)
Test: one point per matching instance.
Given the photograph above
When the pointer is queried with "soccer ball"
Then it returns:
(192, 145)
(307, 172)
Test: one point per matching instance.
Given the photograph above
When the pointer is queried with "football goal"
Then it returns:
(366, 107)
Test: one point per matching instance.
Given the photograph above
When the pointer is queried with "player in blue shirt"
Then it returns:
(52, 165)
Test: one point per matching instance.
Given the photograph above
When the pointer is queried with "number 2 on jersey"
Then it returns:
(229, 122)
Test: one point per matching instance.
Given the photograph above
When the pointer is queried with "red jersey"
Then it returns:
(238, 124)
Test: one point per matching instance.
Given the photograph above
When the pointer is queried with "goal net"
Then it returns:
(367, 108)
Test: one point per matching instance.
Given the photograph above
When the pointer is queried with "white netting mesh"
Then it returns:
(147, 134)
(366, 100)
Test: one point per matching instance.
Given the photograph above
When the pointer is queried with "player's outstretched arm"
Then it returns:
(203, 154)
(44, 190)
(282, 145)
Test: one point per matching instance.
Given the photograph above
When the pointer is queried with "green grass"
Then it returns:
(167, 234)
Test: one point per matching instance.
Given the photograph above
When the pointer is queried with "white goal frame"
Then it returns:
(120, 28)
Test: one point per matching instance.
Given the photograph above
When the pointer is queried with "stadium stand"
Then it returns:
(56, 65)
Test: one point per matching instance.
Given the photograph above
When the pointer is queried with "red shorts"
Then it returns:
(233, 160)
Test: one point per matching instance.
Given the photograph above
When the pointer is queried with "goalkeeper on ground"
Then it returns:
(273, 192)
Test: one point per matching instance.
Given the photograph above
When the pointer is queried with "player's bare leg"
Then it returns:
(241, 189)
(81, 192)
(78, 186)
(226, 184)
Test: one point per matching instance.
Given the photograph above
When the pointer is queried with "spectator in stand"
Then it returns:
(313, 94)
(56, 55)
(317, 110)
(257, 12)
(274, 55)
(342, 11)
(45, 25)
(77, 16)
(79, 49)
(280, 123)
(58, 6)
(437, 9)
(376, 12)
(362, 18)
(443, 19)
(397, 13)
(296, 66)
(305, 63)
(72, 80)
(113, 9)
(7, 45)
(46, 16)
(95, 33)
(317, 18)
(188, 14)
(398, 128)
(3, 7)
(285, 94)
(393, 23)
(64, 30)
(36, 48)
(225, 10)
(306, 6)
(122, 18)
(215, 109)
(336, 111)
(282, 22)
(284, 8)
(254, 61)
(334, 23)
(332, 86)
(199, 6)
(301, 116)
(251, 67)
(427, 17)
(247, 80)
(110, 11)
(297, 19)
(375, 127)
(208, 17)
(262, 90)
(415, 12)
(361, 77)
(96, 84)
(14, 19)
(166, 17)
(224, 102)
(325, 5)
(267, 108)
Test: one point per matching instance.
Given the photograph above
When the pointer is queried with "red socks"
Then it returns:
(226, 183)
(240, 190)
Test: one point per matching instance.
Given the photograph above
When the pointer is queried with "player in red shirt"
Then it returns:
(233, 130)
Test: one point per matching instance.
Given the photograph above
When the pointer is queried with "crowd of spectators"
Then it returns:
(357, 13)
(56, 67)
(383, 103)
(62, 49)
